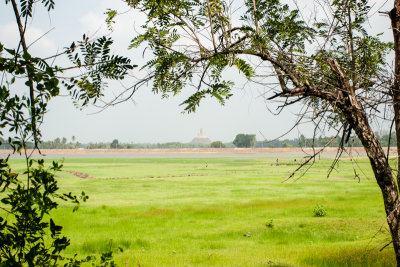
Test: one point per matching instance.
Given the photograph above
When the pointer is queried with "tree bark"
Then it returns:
(355, 115)
(395, 19)
(357, 119)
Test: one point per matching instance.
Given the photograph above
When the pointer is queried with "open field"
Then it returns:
(224, 212)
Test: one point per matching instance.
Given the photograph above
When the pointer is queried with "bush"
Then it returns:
(270, 224)
(218, 144)
(319, 211)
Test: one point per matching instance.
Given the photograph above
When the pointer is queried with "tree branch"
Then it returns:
(31, 89)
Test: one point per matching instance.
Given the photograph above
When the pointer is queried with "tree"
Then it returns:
(245, 140)
(28, 236)
(74, 144)
(63, 142)
(302, 141)
(114, 143)
(331, 66)
(57, 142)
(217, 144)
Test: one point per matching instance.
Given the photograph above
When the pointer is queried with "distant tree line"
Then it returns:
(115, 144)
(58, 143)
(241, 140)
(321, 141)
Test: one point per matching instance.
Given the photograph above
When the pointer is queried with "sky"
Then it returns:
(146, 118)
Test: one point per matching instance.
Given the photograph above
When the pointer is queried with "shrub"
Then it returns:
(319, 211)
(270, 224)
(217, 144)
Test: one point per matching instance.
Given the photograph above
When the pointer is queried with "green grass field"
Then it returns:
(224, 212)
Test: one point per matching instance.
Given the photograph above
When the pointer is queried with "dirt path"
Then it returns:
(81, 175)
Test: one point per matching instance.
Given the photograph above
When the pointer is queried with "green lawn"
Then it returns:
(224, 212)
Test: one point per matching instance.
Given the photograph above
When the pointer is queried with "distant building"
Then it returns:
(201, 138)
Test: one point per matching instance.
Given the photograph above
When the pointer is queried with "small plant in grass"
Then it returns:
(319, 211)
(302, 225)
(269, 224)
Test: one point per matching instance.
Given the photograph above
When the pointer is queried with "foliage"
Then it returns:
(269, 224)
(26, 204)
(114, 143)
(95, 56)
(28, 235)
(319, 210)
(217, 144)
(245, 140)
(272, 33)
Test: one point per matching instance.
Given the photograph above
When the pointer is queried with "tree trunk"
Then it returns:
(395, 19)
(358, 120)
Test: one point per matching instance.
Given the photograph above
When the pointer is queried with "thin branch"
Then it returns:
(309, 159)
(31, 89)
(390, 137)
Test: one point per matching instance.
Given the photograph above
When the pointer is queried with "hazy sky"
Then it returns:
(147, 118)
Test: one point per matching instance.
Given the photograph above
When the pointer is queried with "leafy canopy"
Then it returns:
(195, 42)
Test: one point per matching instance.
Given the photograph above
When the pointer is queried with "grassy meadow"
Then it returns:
(224, 212)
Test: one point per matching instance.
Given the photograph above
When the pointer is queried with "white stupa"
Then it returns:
(201, 138)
